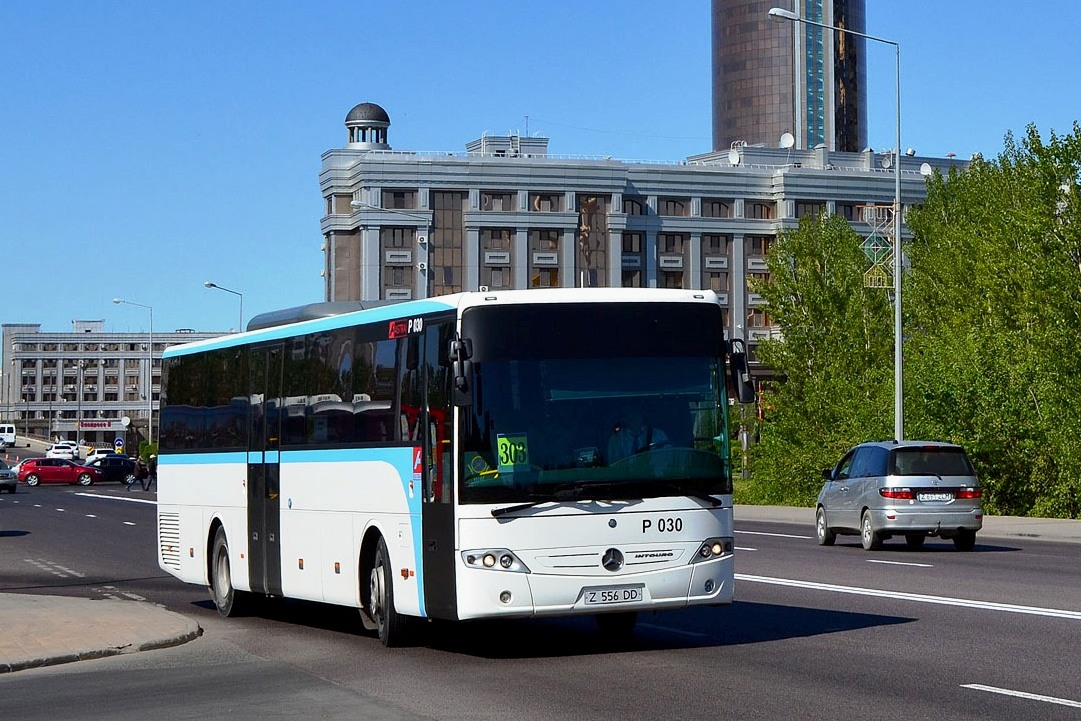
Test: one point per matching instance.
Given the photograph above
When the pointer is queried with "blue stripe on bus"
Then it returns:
(345, 320)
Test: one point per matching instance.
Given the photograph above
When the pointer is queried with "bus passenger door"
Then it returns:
(267, 407)
(437, 515)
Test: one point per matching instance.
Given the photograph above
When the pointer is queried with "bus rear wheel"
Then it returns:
(391, 625)
(229, 601)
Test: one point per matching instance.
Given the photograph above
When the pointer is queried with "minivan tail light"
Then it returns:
(901, 494)
(968, 493)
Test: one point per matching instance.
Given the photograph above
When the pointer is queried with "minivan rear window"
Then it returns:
(930, 460)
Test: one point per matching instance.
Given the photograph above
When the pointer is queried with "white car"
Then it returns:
(64, 449)
(99, 453)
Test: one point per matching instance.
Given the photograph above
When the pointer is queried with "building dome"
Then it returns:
(367, 112)
(367, 124)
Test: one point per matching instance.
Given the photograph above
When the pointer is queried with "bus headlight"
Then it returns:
(495, 559)
(713, 548)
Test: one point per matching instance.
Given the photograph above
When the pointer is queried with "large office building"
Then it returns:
(776, 78)
(505, 213)
(88, 384)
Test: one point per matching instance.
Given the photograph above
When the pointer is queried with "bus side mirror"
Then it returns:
(740, 371)
(461, 350)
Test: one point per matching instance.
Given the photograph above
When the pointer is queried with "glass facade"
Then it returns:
(771, 78)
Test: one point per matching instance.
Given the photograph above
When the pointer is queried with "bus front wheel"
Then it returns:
(388, 622)
(229, 601)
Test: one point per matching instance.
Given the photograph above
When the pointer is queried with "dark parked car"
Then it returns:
(7, 478)
(33, 471)
(913, 489)
(114, 467)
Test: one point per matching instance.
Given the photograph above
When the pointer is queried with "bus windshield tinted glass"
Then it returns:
(611, 402)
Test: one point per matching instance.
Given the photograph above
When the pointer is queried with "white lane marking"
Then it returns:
(745, 548)
(901, 563)
(917, 597)
(91, 515)
(128, 523)
(61, 510)
(118, 498)
(775, 535)
(1022, 694)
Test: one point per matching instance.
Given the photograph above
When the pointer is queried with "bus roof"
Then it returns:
(318, 317)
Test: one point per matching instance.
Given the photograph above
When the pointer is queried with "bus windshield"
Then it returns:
(586, 406)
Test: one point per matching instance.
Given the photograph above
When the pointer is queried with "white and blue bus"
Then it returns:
(479, 455)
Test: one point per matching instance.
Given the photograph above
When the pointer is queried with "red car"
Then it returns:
(56, 470)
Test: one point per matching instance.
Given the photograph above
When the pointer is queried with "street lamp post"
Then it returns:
(780, 14)
(425, 269)
(149, 370)
(211, 284)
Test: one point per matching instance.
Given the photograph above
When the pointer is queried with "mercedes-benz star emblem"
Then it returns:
(612, 560)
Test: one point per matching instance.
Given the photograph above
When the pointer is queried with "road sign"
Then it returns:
(118, 444)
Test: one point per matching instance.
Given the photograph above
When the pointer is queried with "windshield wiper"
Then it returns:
(497, 512)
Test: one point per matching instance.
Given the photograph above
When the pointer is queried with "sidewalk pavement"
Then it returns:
(47, 630)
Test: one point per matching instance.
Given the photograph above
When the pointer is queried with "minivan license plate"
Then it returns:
(935, 496)
(605, 595)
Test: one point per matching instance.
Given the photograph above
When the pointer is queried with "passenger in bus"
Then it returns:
(633, 435)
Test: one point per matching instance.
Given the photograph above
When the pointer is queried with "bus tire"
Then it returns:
(229, 601)
(390, 625)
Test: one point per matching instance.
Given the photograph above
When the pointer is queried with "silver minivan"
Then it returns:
(911, 488)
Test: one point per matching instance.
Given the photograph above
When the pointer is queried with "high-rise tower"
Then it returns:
(773, 78)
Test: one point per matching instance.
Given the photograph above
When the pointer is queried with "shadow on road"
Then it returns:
(740, 623)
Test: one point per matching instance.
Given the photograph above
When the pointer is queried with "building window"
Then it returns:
(758, 318)
(714, 244)
(717, 282)
(496, 238)
(712, 208)
(674, 206)
(632, 278)
(400, 199)
(760, 211)
(809, 209)
(339, 204)
(849, 211)
(758, 244)
(634, 206)
(448, 240)
(670, 280)
(545, 278)
(396, 237)
(544, 239)
(545, 202)
(633, 243)
(497, 200)
(671, 243)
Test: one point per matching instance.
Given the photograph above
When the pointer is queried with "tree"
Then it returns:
(835, 361)
(993, 315)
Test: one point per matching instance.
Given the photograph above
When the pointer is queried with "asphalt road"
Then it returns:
(815, 633)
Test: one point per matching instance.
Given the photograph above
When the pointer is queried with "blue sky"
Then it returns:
(147, 147)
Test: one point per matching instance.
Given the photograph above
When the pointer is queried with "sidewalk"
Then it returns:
(47, 630)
